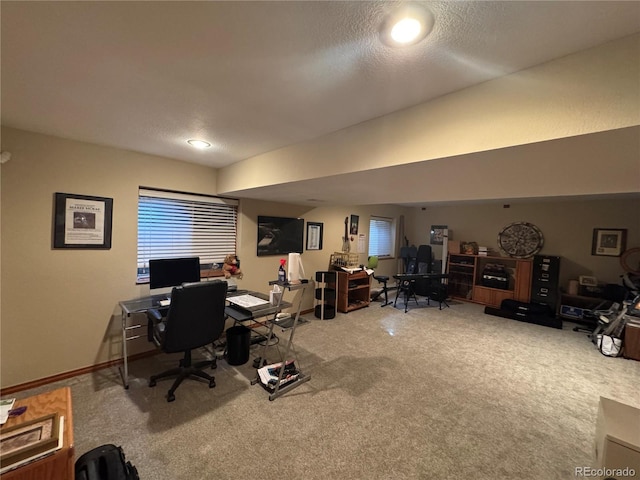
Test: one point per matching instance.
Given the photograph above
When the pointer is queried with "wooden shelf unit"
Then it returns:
(465, 279)
(354, 291)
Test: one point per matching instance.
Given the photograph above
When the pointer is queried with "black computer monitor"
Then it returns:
(172, 272)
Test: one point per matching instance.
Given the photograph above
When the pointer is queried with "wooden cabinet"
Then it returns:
(490, 296)
(354, 290)
(58, 465)
(462, 274)
(466, 279)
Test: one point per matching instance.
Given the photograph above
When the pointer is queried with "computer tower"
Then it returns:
(545, 288)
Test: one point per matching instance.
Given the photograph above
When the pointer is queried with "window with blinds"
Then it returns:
(176, 225)
(381, 237)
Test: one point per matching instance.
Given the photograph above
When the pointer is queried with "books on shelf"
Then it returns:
(269, 374)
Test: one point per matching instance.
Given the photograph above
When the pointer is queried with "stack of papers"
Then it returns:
(247, 301)
(5, 406)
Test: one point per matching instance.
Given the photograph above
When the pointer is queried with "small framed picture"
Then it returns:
(355, 219)
(314, 235)
(437, 234)
(27, 439)
(82, 221)
(609, 242)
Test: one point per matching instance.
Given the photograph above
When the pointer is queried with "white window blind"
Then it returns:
(381, 237)
(175, 225)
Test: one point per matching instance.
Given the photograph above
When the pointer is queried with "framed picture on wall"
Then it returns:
(280, 235)
(355, 219)
(82, 221)
(314, 235)
(437, 234)
(609, 241)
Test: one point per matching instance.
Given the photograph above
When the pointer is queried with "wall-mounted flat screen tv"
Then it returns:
(280, 235)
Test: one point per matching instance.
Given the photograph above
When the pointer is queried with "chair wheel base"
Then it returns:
(171, 397)
(212, 383)
(152, 382)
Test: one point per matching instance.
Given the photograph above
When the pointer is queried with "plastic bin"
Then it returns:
(238, 345)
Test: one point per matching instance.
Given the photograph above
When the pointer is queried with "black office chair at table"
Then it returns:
(195, 318)
(382, 279)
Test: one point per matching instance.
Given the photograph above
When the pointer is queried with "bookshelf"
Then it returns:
(354, 291)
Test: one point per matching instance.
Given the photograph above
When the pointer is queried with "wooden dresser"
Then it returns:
(59, 465)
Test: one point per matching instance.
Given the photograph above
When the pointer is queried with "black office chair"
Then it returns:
(372, 263)
(195, 318)
(438, 291)
(406, 286)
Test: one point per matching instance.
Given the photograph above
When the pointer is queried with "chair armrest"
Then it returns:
(154, 317)
(154, 314)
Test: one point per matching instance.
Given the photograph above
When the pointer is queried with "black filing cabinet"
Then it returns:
(545, 286)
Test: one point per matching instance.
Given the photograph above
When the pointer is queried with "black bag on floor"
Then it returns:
(105, 462)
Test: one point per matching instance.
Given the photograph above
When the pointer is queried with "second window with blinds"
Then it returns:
(177, 224)
(381, 236)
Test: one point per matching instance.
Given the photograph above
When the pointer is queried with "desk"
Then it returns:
(269, 313)
(266, 310)
(59, 465)
(140, 305)
(128, 308)
(407, 282)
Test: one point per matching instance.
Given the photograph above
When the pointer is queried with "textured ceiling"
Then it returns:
(251, 77)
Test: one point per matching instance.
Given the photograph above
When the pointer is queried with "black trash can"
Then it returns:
(238, 344)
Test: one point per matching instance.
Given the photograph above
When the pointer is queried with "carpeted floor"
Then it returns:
(427, 394)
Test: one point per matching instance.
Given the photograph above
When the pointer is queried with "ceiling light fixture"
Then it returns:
(406, 26)
(201, 144)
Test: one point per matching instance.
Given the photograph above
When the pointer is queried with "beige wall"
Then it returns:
(567, 226)
(59, 307)
(260, 270)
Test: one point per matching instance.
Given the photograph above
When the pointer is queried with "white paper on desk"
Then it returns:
(351, 270)
(247, 301)
(5, 406)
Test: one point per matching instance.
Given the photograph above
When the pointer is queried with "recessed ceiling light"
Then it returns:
(406, 30)
(201, 144)
(406, 26)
